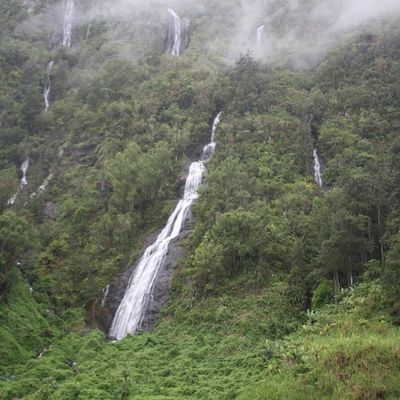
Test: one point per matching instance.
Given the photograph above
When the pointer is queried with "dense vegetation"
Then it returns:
(287, 290)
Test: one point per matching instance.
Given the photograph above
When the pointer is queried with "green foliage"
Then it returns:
(346, 351)
(16, 237)
(392, 275)
(24, 332)
(323, 294)
(266, 241)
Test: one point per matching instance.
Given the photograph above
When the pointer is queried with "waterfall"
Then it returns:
(260, 34)
(317, 169)
(130, 313)
(24, 169)
(68, 19)
(106, 291)
(24, 182)
(43, 187)
(47, 86)
(175, 33)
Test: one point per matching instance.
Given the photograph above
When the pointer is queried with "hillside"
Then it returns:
(280, 279)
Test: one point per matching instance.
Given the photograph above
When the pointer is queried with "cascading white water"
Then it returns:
(106, 291)
(47, 86)
(68, 20)
(43, 187)
(24, 169)
(317, 169)
(131, 311)
(177, 34)
(260, 34)
(24, 182)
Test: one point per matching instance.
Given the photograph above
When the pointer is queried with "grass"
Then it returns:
(23, 330)
(219, 351)
(349, 352)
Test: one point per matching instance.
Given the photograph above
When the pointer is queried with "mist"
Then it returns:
(300, 33)
(296, 32)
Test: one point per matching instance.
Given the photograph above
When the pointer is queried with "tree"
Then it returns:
(16, 237)
(344, 237)
(392, 275)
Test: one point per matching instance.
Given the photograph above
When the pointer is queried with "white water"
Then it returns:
(68, 20)
(317, 169)
(24, 182)
(106, 291)
(176, 48)
(43, 187)
(131, 311)
(24, 169)
(47, 87)
(260, 34)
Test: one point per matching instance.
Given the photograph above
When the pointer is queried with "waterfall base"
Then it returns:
(161, 290)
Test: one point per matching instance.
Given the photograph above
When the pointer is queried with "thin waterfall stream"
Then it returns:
(260, 35)
(317, 169)
(47, 86)
(24, 182)
(68, 21)
(175, 34)
(132, 309)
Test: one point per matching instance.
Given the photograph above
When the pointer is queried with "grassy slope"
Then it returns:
(350, 351)
(216, 350)
(23, 329)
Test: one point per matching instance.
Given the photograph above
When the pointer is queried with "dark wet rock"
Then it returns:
(85, 155)
(162, 287)
(161, 290)
(104, 187)
(51, 210)
(181, 185)
(55, 40)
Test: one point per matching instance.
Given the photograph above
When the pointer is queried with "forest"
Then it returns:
(286, 282)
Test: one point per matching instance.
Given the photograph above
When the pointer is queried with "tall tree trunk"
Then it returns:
(350, 280)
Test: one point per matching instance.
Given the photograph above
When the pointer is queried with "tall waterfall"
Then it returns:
(317, 169)
(260, 34)
(129, 316)
(24, 181)
(47, 86)
(68, 20)
(175, 38)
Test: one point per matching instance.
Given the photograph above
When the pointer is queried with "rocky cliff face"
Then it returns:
(105, 312)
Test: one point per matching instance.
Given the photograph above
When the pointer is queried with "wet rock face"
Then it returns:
(161, 290)
(105, 313)
(176, 39)
(162, 287)
(51, 210)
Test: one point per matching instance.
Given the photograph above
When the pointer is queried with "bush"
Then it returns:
(323, 294)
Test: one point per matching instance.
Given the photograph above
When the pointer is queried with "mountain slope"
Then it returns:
(288, 288)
